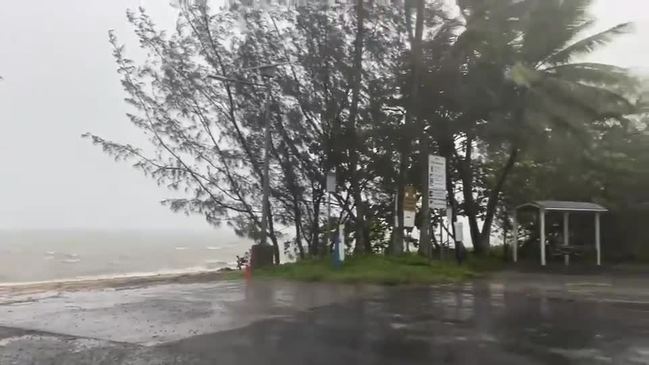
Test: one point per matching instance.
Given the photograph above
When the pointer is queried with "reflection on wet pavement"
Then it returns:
(508, 319)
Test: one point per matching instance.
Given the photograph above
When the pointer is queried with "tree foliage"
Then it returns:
(498, 88)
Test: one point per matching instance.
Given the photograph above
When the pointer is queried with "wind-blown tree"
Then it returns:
(361, 91)
(354, 147)
(202, 144)
(204, 115)
(519, 82)
(608, 166)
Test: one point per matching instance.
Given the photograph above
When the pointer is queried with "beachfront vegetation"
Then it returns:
(502, 89)
(372, 269)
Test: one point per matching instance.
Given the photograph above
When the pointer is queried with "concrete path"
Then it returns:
(507, 319)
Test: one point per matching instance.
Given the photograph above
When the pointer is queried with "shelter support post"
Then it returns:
(542, 235)
(598, 246)
(566, 236)
(515, 238)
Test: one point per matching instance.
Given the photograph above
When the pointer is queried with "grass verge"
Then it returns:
(375, 269)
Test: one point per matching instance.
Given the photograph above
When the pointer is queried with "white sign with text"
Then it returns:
(436, 182)
(409, 218)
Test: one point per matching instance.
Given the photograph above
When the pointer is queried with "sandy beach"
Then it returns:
(18, 292)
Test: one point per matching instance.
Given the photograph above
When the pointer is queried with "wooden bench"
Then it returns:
(561, 250)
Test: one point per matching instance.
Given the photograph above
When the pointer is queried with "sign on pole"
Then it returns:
(408, 219)
(409, 206)
(340, 245)
(436, 182)
(331, 182)
(459, 232)
(410, 198)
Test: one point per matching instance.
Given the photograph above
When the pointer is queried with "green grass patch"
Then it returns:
(374, 269)
(485, 263)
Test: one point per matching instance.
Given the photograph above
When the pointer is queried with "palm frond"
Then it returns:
(597, 74)
(588, 44)
(555, 111)
(525, 76)
(550, 25)
(597, 102)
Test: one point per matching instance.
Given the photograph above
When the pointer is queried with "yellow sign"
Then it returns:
(410, 199)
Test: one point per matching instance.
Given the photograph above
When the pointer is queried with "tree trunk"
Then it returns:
(415, 41)
(397, 237)
(433, 244)
(315, 227)
(424, 240)
(446, 146)
(424, 235)
(359, 236)
(494, 196)
(470, 208)
(273, 236)
(362, 242)
(297, 212)
(505, 232)
(482, 238)
(366, 234)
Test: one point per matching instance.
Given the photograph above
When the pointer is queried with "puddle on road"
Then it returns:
(582, 354)
(639, 355)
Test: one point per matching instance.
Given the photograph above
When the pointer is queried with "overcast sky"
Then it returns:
(60, 81)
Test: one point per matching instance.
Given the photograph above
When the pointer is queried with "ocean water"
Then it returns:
(53, 255)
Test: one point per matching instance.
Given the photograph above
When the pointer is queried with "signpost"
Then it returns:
(339, 249)
(331, 182)
(331, 188)
(409, 206)
(459, 232)
(449, 225)
(436, 182)
(437, 190)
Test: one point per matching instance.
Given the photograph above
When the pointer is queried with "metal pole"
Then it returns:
(396, 210)
(408, 238)
(329, 217)
(515, 243)
(441, 231)
(597, 240)
(337, 246)
(430, 227)
(542, 234)
(566, 236)
(266, 182)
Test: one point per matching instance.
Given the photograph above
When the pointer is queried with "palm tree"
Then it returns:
(522, 58)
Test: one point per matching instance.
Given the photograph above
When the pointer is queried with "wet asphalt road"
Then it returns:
(508, 319)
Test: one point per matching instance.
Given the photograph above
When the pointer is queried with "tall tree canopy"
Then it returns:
(369, 91)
